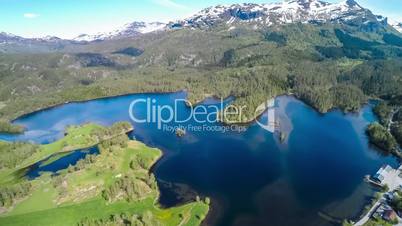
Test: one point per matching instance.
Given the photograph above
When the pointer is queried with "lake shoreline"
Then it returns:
(246, 123)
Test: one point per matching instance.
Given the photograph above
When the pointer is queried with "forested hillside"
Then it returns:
(326, 65)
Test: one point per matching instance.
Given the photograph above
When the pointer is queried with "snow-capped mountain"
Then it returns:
(49, 38)
(303, 11)
(255, 15)
(129, 30)
(9, 38)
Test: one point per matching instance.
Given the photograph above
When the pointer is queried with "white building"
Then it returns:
(383, 173)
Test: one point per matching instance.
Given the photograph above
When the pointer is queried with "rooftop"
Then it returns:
(384, 172)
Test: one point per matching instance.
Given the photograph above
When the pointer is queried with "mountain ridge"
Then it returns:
(256, 15)
(293, 11)
(129, 30)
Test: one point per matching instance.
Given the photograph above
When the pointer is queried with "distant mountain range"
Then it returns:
(7, 38)
(129, 30)
(255, 15)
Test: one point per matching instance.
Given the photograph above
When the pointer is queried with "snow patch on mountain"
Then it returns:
(127, 31)
(48, 38)
(397, 25)
(144, 28)
(285, 12)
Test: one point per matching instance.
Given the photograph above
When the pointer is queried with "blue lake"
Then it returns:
(61, 161)
(252, 178)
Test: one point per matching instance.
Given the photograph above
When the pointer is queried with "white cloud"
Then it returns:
(170, 4)
(31, 15)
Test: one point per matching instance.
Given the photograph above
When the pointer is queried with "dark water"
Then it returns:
(62, 161)
(251, 177)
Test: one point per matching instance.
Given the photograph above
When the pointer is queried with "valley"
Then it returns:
(72, 154)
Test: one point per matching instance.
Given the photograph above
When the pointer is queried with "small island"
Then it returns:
(180, 132)
(282, 137)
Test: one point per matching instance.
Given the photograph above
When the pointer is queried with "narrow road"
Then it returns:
(366, 217)
(391, 122)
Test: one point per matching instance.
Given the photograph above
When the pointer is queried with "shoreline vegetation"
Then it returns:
(113, 187)
(387, 133)
(10, 128)
(386, 140)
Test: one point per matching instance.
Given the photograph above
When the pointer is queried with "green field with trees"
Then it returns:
(114, 187)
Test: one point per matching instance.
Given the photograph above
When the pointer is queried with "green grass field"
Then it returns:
(70, 215)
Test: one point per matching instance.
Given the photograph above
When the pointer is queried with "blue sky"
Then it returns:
(68, 18)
